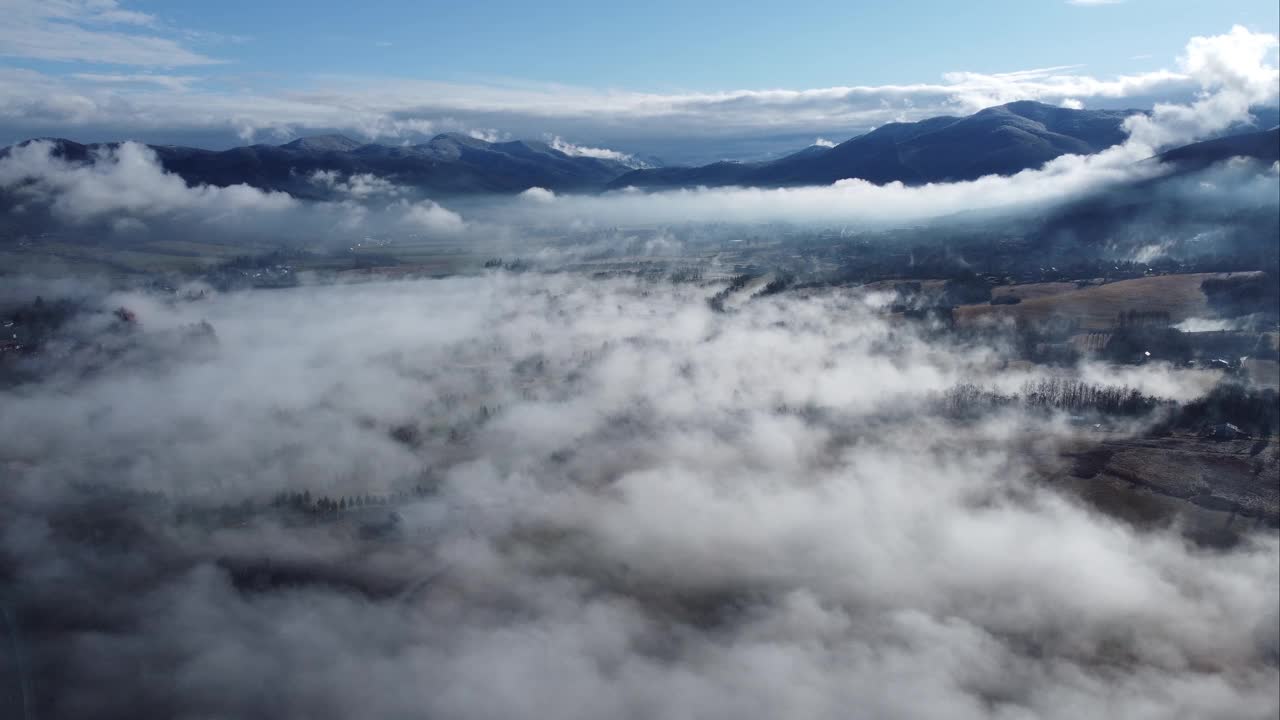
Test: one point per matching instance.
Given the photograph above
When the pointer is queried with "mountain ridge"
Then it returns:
(448, 164)
(1001, 140)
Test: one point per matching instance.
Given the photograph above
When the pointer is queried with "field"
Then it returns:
(1096, 306)
(1216, 489)
(63, 255)
(72, 255)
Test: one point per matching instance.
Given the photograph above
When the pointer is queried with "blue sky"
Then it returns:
(666, 45)
(738, 79)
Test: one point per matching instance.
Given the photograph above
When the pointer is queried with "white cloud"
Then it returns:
(538, 194)
(823, 142)
(127, 179)
(856, 201)
(429, 216)
(488, 135)
(127, 188)
(87, 31)
(1229, 84)
(358, 186)
(1232, 73)
(1230, 69)
(568, 148)
(177, 83)
(1235, 61)
(638, 525)
(86, 11)
(395, 108)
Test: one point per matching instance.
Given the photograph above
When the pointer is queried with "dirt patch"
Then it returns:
(1096, 306)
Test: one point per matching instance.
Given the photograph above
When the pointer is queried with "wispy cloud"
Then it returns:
(390, 108)
(180, 83)
(397, 109)
(568, 148)
(96, 31)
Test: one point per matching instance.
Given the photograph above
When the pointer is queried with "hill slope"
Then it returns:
(446, 165)
(999, 140)
(1263, 146)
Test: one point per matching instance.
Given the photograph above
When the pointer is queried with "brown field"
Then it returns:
(1031, 291)
(890, 285)
(1096, 306)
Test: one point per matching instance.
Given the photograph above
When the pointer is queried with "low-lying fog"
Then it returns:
(636, 507)
(593, 498)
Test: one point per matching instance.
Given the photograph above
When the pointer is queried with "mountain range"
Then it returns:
(449, 164)
(1263, 146)
(999, 140)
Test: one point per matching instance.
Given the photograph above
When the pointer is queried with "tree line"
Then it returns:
(1256, 411)
(323, 504)
(1060, 394)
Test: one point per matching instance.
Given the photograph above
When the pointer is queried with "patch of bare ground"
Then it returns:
(1096, 306)
(1215, 490)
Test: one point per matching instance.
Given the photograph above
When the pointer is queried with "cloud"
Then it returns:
(860, 205)
(488, 135)
(1233, 74)
(684, 123)
(847, 201)
(572, 150)
(1230, 69)
(360, 186)
(122, 183)
(757, 513)
(538, 194)
(431, 217)
(1235, 61)
(1091, 3)
(179, 83)
(88, 31)
(823, 142)
(85, 11)
(693, 514)
(129, 182)
(127, 189)
(124, 179)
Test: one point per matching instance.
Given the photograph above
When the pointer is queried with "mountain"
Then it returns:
(998, 140)
(449, 164)
(1163, 209)
(322, 143)
(1263, 146)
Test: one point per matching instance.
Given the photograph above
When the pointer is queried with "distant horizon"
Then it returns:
(554, 142)
(654, 81)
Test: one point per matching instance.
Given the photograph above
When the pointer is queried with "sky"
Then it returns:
(676, 79)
